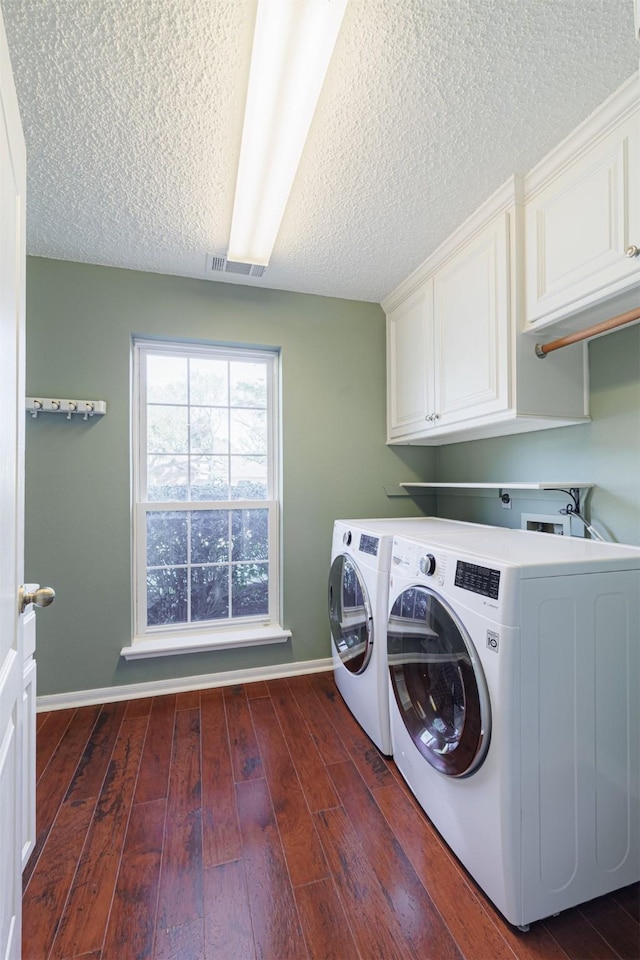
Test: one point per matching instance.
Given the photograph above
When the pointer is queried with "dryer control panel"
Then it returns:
(369, 544)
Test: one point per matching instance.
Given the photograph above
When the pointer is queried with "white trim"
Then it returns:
(172, 346)
(615, 110)
(158, 688)
(510, 194)
(163, 646)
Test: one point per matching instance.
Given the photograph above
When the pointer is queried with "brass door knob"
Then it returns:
(41, 597)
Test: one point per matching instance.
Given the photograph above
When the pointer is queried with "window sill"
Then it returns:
(200, 643)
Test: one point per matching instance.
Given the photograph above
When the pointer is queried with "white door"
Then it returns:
(12, 265)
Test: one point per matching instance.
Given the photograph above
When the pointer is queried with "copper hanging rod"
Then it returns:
(542, 349)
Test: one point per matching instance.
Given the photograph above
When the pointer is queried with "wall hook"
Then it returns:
(89, 408)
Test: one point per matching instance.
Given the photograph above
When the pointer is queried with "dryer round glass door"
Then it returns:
(438, 682)
(350, 615)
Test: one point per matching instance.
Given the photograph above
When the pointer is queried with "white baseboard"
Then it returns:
(156, 688)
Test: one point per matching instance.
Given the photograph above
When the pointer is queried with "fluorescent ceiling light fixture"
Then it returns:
(292, 47)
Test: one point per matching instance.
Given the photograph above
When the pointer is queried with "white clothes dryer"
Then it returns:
(358, 596)
(514, 685)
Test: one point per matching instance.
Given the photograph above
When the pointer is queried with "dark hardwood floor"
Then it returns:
(258, 821)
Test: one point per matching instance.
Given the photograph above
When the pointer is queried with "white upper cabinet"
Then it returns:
(457, 366)
(448, 331)
(559, 248)
(582, 214)
(447, 340)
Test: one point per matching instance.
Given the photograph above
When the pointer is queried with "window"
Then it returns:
(206, 507)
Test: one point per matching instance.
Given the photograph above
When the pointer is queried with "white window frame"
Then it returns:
(158, 640)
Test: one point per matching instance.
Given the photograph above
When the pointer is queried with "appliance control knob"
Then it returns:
(428, 565)
(346, 539)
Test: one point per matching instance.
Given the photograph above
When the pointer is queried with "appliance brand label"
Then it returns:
(493, 640)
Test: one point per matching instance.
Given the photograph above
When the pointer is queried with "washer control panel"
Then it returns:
(428, 565)
(477, 579)
(474, 582)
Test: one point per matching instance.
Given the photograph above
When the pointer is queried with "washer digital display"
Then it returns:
(477, 579)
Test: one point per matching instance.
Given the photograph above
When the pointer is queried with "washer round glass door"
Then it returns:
(438, 682)
(350, 615)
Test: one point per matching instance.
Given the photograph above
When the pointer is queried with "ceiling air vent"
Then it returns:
(217, 263)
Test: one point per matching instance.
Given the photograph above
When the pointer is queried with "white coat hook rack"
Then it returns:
(86, 408)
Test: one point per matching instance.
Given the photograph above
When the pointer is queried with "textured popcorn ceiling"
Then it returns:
(132, 111)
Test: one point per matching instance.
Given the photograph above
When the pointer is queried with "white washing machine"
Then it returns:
(358, 597)
(514, 686)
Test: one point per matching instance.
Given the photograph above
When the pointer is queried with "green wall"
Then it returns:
(80, 320)
(605, 452)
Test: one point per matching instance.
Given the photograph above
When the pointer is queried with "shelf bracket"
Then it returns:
(574, 493)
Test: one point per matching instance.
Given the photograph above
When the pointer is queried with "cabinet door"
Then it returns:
(409, 381)
(579, 226)
(471, 325)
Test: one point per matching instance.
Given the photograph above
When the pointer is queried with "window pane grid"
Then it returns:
(183, 585)
(195, 449)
